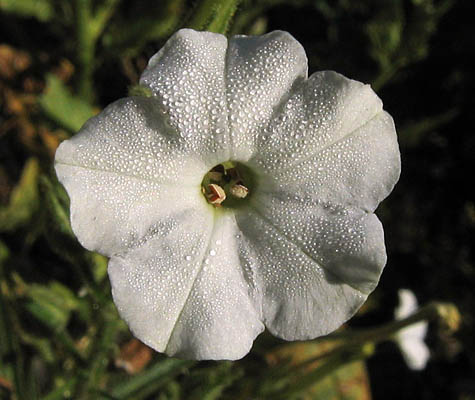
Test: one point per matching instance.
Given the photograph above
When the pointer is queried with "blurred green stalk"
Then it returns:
(213, 15)
(89, 26)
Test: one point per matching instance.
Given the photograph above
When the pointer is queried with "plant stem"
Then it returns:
(89, 27)
(86, 46)
(434, 310)
(358, 345)
(213, 15)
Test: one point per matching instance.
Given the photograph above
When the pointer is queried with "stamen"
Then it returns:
(216, 194)
(227, 184)
(239, 191)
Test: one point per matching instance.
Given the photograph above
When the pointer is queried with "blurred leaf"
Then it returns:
(348, 381)
(103, 347)
(44, 346)
(400, 35)
(67, 110)
(24, 199)
(3, 252)
(146, 383)
(172, 391)
(412, 134)
(51, 304)
(10, 350)
(91, 267)
(40, 9)
(62, 390)
(212, 382)
(4, 335)
(155, 24)
(58, 228)
(99, 267)
(385, 33)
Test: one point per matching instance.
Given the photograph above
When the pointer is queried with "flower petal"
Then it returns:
(347, 244)
(332, 140)
(184, 293)
(123, 173)
(413, 348)
(261, 70)
(187, 77)
(407, 304)
(308, 278)
(411, 339)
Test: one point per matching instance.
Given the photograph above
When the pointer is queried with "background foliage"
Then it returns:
(61, 62)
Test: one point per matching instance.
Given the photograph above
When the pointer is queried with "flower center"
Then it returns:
(229, 184)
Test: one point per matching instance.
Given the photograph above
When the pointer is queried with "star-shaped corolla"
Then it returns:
(411, 339)
(298, 255)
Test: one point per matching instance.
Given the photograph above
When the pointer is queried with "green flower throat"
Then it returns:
(229, 184)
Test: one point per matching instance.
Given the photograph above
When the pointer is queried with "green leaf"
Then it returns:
(44, 346)
(9, 344)
(151, 379)
(92, 268)
(314, 370)
(61, 390)
(57, 205)
(5, 348)
(67, 110)
(4, 252)
(413, 133)
(99, 267)
(24, 199)
(212, 382)
(39, 9)
(400, 35)
(349, 382)
(51, 304)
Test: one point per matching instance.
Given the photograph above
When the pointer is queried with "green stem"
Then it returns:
(444, 312)
(85, 49)
(412, 134)
(142, 385)
(89, 27)
(213, 15)
(69, 344)
(431, 311)
(356, 345)
(224, 15)
(102, 15)
(202, 14)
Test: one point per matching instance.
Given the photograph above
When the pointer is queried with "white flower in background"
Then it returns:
(411, 339)
(239, 196)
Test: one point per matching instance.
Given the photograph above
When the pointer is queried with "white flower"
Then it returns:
(411, 339)
(298, 254)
